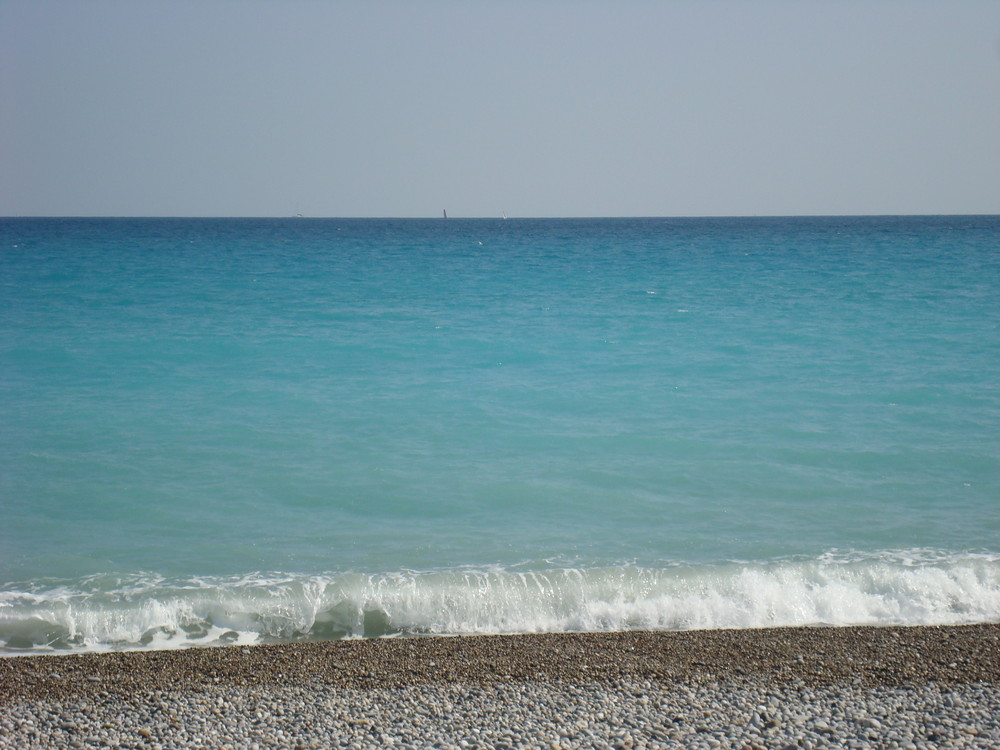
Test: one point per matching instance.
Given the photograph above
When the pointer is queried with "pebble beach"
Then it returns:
(855, 687)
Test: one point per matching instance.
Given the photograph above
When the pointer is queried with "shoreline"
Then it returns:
(870, 656)
(786, 688)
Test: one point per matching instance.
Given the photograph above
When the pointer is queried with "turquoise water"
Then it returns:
(242, 430)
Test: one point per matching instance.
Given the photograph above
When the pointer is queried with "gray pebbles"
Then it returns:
(777, 689)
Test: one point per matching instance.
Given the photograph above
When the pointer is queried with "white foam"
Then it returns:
(913, 587)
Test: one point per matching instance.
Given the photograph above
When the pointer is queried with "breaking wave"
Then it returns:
(142, 611)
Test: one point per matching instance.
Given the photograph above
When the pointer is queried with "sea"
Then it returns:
(238, 431)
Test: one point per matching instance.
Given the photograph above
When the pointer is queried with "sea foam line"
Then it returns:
(150, 612)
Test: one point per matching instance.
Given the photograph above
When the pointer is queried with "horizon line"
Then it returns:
(487, 217)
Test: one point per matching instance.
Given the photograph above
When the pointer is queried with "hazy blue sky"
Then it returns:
(544, 108)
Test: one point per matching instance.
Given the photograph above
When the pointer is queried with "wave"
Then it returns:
(142, 611)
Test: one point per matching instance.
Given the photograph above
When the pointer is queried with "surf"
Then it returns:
(143, 611)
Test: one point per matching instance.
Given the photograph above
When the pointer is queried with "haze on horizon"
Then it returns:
(554, 108)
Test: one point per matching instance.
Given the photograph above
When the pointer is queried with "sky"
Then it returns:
(549, 108)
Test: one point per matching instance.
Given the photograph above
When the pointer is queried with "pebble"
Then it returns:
(507, 715)
(786, 689)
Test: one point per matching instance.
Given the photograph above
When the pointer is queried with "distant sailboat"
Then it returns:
(505, 214)
(446, 214)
